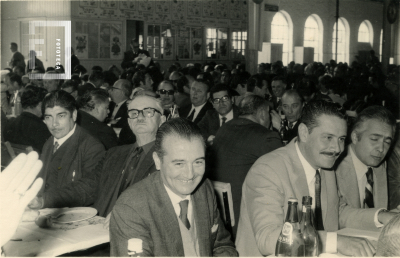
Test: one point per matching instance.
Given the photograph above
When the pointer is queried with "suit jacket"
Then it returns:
(271, 181)
(145, 211)
(70, 183)
(27, 129)
(351, 212)
(237, 145)
(121, 113)
(393, 173)
(184, 111)
(17, 60)
(292, 133)
(129, 56)
(276, 103)
(209, 124)
(97, 129)
(110, 176)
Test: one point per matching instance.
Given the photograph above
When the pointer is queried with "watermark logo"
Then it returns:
(66, 46)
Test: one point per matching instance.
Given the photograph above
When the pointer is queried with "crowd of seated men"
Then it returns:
(141, 144)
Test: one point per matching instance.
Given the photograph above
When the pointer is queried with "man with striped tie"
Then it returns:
(361, 175)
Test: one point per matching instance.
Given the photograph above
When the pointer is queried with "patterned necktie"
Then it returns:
(223, 120)
(369, 197)
(183, 215)
(191, 115)
(55, 147)
(319, 225)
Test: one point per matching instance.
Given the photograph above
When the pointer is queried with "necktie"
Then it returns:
(130, 169)
(290, 125)
(183, 215)
(369, 197)
(191, 115)
(223, 120)
(55, 147)
(318, 211)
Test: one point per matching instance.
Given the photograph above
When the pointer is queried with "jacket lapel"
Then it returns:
(298, 174)
(349, 180)
(200, 210)
(380, 187)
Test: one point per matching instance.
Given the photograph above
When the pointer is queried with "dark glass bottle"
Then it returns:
(310, 235)
(290, 242)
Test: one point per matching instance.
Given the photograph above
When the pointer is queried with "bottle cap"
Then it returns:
(292, 199)
(307, 200)
(135, 244)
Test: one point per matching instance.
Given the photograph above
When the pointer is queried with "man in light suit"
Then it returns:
(297, 170)
(224, 111)
(361, 176)
(173, 211)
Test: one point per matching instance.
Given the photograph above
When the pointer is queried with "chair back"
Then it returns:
(224, 199)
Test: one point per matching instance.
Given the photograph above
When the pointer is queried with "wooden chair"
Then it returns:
(225, 204)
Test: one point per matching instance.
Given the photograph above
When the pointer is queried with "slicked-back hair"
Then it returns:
(126, 87)
(374, 112)
(220, 87)
(32, 96)
(316, 108)
(179, 127)
(389, 239)
(251, 104)
(14, 44)
(92, 98)
(59, 98)
(70, 84)
(207, 79)
(295, 93)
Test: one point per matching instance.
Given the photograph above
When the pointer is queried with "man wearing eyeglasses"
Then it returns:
(224, 111)
(199, 94)
(127, 164)
(119, 93)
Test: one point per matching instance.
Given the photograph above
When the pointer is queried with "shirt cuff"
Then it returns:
(376, 221)
(331, 242)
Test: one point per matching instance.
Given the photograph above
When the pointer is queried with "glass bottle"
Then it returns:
(290, 242)
(18, 105)
(310, 235)
(135, 248)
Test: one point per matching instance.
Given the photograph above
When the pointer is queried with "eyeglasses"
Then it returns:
(223, 99)
(147, 112)
(168, 92)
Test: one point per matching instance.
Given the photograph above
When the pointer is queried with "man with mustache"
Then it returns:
(296, 170)
(361, 175)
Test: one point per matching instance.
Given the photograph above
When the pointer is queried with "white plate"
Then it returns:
(69, 215)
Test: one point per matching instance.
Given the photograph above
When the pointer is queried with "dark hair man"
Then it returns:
(296, 170)
(199, 94)
(49, 83)
(278, 88)
(17, 58)
(69, 157)
(130, 55)
(362, 174)
(15, 87)
(173, 210)
(28, 128)
(128, 164)
(96, 79)
(239, 143)
(71, 87)
(224, 111)
(93, 110)
(182, 97)
(120, 93)
(239, 84)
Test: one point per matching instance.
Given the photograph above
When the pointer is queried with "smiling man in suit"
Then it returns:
(173, 211)
(361, 175)
(199, 94)
(224, 111)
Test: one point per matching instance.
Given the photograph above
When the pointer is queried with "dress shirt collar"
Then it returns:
(175, 199)
(293, 124)
(120, 103)
(146, 148)
(63, 139)
(308, 169)
(228, 116)
(360, 167)
(197, 110)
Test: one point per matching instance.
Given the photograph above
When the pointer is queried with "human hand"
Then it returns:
(106, 223)
(385, 216)
(36, 203)
(276, 120)
(355, 246)
(17, 190)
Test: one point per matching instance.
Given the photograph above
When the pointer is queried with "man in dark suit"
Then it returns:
(93, 110)
(28, 128)
(126, 165)
(239, 143)
(69, 157)
(278, 88)
(173, 211)
(130, 55)
(120, 93)
(199, 94)
(17, 58)
(223, 111)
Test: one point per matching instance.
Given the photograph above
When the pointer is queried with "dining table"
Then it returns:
(32, 240)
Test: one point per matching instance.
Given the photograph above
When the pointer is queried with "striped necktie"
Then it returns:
(55, 147)
(369, 197)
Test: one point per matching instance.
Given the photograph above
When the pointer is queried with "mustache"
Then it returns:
(336, 154)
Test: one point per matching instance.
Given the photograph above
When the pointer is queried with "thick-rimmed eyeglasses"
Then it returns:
(168, 92)
(219, 100)
(146, 112)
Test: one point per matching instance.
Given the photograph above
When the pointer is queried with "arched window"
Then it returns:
(313, 35)
(365, 32)
(281, 34)
(343, 41)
